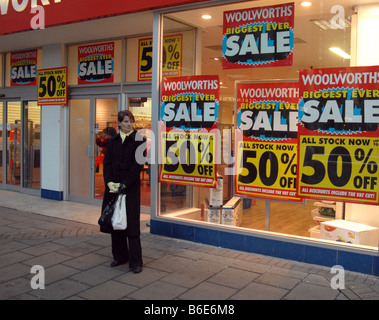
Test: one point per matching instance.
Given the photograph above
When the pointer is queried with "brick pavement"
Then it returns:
(76, 256)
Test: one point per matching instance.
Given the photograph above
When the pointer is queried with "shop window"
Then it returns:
(314, 46)
(94, 63)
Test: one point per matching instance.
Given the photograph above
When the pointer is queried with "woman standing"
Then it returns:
(121, 170)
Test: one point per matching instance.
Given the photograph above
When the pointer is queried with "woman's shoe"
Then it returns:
(116, 263)
(137, 269)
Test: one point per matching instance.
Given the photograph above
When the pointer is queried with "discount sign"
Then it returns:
(52, 86)
(188, 121)
(266, 140)
(338, 134)
(171, 60)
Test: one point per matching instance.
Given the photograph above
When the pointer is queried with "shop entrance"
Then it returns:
(20, 147)
(89, 119)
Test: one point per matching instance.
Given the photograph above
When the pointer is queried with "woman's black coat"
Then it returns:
(120, 166)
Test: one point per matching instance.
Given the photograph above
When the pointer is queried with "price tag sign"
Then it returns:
(266, 140)
(338, 134)
(52, 86)
(172, 57)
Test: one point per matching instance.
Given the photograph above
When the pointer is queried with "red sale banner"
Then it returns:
(339, 135)
(188, 130)
(24, 68)
(266, 140)
(96, 63)
(258, 37)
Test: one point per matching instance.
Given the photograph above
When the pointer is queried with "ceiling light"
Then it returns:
(327, 25)
(340, 52)
(306, 4)
(206, 16)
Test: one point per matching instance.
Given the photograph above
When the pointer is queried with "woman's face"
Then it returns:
(126, 125)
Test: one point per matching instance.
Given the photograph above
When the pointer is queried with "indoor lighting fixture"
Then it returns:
(206, 16)
(306, 4)
(327, 25)
(340, 52)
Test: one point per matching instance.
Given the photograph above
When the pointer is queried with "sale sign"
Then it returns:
(266, 140)
(258, 37)
(96, 63)
(52, 84)
(339, 135)
(24, 68)
(172, 57)
(188, 130)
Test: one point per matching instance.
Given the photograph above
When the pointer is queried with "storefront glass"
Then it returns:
(32, 145)
(324, 37)
(14, 142)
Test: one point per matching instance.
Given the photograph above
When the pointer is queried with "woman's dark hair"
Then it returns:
(110, 130)
(121, 115)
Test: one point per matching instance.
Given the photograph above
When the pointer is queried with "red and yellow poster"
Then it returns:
(52, 86)
(96, 63)
(188, 130)
(266, 140)
(258, 37)
(24, 68)
(172, 57)
(339, 135)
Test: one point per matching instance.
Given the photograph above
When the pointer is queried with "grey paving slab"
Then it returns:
(259, 291)
(277, 280)
(60, 290)
(234, 278)
(208, 291)
(310, 291)
(158, 290)
(110, 290)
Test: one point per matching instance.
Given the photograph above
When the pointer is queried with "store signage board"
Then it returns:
(172, 57)
(188, 130)
(24, 68)
(266, 140)
(52, 86)
(258, 37)
(16, 16)
(338, 134)
(96, 63)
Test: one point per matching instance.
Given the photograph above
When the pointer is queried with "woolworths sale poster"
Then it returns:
(338, 134)
(266, 140)
(188, 130)
(258, 37)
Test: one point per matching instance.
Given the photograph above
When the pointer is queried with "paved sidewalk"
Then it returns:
(76, 257)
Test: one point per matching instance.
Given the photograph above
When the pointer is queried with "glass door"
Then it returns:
(13, 129)
(105, 128)
(31, 145)
(91, 122)
(79, 151)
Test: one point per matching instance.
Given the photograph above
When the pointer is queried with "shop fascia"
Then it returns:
(20, 7)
